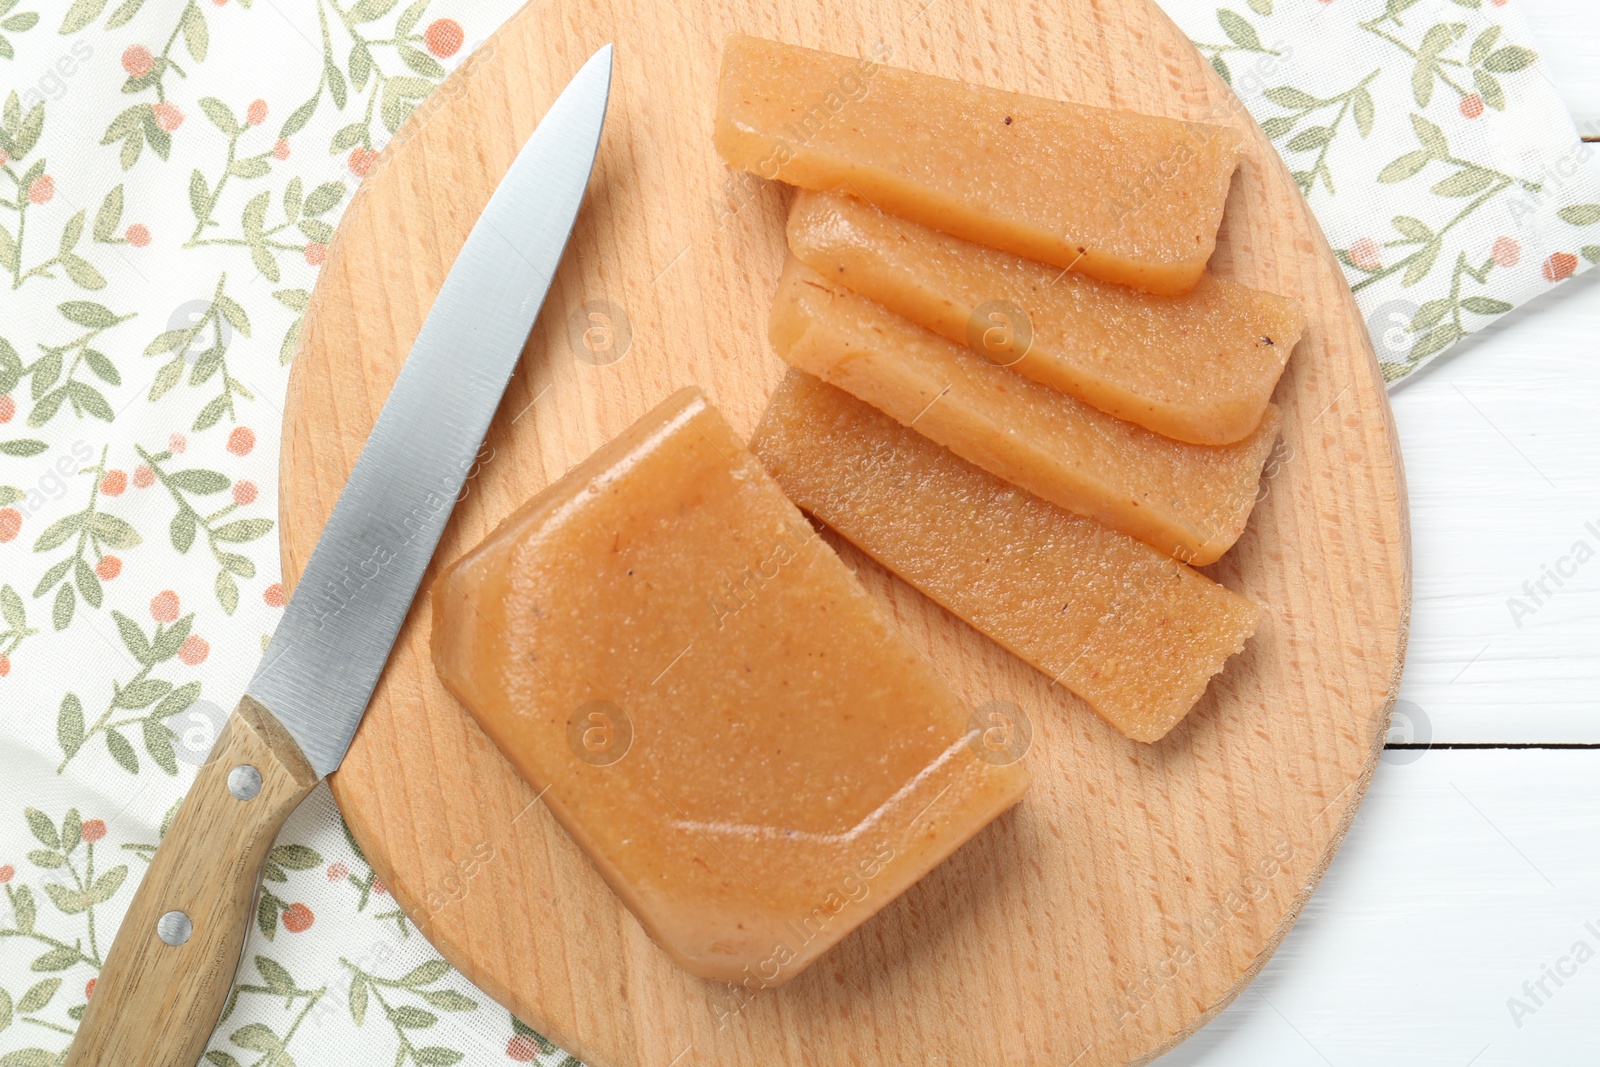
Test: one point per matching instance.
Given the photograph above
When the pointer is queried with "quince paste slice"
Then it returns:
(1133, 632)
(1190, 501)
(1199, 367)
(1127, 198)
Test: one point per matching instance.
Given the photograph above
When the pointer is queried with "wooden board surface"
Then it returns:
(1137, 889)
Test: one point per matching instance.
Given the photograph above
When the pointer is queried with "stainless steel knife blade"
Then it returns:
(320, 668)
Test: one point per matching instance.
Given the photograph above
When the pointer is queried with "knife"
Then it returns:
(161, 991)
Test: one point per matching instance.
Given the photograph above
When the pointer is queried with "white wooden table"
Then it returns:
(1470, 875)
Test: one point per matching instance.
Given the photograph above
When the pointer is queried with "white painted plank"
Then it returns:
(1501, 442)
(1465, 874)
(1568, 33)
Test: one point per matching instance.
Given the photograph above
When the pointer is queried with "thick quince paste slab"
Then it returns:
(709, 702)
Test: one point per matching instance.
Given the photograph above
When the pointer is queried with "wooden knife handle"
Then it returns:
(156, 1003)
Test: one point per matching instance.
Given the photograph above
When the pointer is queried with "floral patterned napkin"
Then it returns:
(1432, 146)
(170, 175)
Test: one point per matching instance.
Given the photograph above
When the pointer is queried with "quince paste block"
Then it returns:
(1128, 198)
(1199, 367)
(1190, 501)
(708, 701)
(1135, 633)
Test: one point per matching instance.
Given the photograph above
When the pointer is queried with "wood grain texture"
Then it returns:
(1136, 889)
(155, 1004)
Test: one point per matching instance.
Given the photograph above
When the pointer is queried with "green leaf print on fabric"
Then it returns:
(390, 95)
(223, 315)
(1576, 215)
(147, 123)
(1242, 37)
(33, 187)
(155, 700)
(1467, 180)
(54, 377)
(368, 989)
(13, 21)
(69, 880)
(367, 885)
(91, 531)
(14, 613)
(271, 908)
(526, 1044)
(220, 529)
(1356, 103)
(1485, 60)
(301, 213)
(1468, 72)
(296, 300)
(276, 984)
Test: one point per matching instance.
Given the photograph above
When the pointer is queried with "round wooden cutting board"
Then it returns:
(1136, 889)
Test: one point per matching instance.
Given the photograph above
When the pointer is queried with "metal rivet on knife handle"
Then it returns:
(174, 928)
(244, 782)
